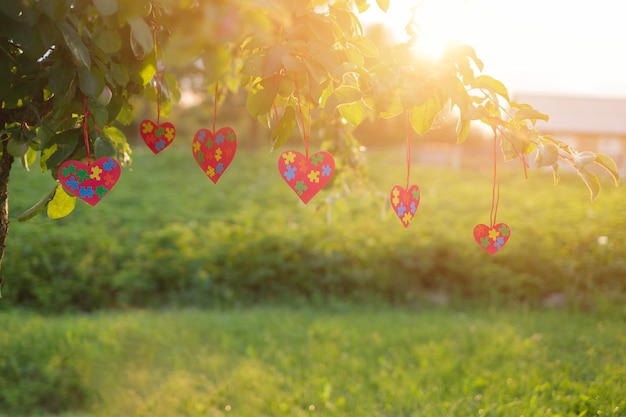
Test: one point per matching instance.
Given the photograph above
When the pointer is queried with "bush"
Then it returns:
(249, 240)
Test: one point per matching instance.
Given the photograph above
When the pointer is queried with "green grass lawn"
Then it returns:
(339, 361)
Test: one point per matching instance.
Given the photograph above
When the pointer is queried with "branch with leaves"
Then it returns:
(289, 56)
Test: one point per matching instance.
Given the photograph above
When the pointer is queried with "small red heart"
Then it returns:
(89, 182)
(214, 152)
(405, 202)
(306, 176)
(157, 136)
(492, 239)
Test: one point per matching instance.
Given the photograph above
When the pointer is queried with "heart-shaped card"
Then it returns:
(492, 239)
(214, 152)
(405, 202)
(157, 136)
(89, 182)
(306, 176)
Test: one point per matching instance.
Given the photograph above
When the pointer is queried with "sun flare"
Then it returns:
(432, 24)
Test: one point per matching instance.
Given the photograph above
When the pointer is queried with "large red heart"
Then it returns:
(306, 176)
(89, 182)
(214, 152)
(157, 136)
(492, 239)
(405, 202)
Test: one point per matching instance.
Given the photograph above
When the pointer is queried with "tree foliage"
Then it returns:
(68, 65)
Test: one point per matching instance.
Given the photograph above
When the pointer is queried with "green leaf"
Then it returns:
(260, 102)
(110, 41)
(547, 154)
(284, 128)
(383, 4)
(29, 158)
(105, 7)
(591, 181)
(423, 116)
(61, 204)
(528, 113)
(119, 74)
(141, 41)
(75, 44)
(346, 94)
(608, 163)
(353, 112)
(146, 71)
(90, 81)
(490, 84)
(173, 90)
(5, 77)
(365, 46)
(65, 143)
(99, 113)
(462, 130)
(37, 208)
(103, 147)
(362, 5)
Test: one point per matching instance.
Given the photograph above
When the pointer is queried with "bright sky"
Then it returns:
(570, 47)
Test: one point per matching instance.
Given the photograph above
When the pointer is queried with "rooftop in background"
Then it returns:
(577, 114)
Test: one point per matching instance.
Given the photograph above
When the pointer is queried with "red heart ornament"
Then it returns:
(492, 239)
(306, 176)
(405, 202)
(214, 152)
(89, 182)
(157, 136)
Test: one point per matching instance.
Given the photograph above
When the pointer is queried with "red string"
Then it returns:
(495, 192)
(305, 128)
(86, 114)
(157, 84)
(408, 149)
(215, 106)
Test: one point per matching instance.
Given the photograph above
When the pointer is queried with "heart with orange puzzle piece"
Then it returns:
(405, 202)
(89, 182)
(492, 238)
(214, 151)
(306, 176)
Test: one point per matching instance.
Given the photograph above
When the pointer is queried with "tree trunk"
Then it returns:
(6, 160)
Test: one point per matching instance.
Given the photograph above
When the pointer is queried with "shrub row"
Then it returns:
(226, 263)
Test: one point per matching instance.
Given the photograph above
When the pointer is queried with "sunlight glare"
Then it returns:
(435, 23)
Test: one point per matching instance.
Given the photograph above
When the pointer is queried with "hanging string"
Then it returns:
(305, 127)
(215, 105)
(157, 83)
(495, 191)
(408, 149)
(86, 114)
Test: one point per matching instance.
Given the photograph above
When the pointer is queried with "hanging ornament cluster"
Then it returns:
(214, 150)
(89, 181)
(405, 202)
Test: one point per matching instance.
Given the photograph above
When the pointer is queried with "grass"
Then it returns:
(342, 361)
(166, 222)
(166, 234)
